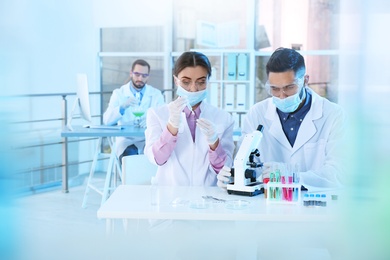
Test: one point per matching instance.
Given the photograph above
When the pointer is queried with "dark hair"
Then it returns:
(192, 59)
(284, 59)
(140, 62)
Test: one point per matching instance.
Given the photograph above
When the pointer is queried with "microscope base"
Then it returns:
(251, 190)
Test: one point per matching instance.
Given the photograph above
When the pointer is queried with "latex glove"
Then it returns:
(223, 177)
(175, 108)
(208, 129)
(268, 167)
(129, 102)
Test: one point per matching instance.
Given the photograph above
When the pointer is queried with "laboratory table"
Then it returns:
(247, 216)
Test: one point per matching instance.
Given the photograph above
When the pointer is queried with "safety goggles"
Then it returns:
(186, 84)
(288, 90)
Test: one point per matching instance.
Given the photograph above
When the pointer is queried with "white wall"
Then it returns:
(124, 13)
(45, 43)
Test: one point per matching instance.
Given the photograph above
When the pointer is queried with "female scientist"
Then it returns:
(188, 138)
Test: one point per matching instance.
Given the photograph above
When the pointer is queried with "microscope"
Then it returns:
(244, 166)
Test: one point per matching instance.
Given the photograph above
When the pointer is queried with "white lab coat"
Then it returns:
(318, 145)
(152, 98)
(189, 163)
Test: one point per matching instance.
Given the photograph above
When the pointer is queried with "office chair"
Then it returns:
(137, 170)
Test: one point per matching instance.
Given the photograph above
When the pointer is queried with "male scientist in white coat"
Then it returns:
(136, 93)
(300, 127)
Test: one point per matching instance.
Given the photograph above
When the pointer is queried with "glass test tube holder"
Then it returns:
(284, 193)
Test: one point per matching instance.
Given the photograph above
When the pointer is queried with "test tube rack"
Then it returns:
(283, 193)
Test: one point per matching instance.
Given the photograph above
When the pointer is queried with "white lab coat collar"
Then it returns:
(307, 129)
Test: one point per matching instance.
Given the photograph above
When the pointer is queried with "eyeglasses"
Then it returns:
(186, 84)
(137, 74)
(288, 90)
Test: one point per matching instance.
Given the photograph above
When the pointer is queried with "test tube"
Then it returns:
(277, 189)
(296, 180)
(265, 183)
(271, 189)
(284, 190)
(290, 190)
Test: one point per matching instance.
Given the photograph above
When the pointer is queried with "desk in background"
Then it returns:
(79, 131)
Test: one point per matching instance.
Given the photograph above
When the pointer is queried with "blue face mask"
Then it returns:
(193, 97)
(289, 104)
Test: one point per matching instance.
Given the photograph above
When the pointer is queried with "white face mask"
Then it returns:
(289, 104)
(193, 97)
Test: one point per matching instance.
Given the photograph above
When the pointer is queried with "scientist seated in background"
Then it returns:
(136, 95)
(189, 139)
(300, 127)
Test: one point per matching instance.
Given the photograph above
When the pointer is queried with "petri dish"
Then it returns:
(179, 202)
(237, 204)
(199, 204)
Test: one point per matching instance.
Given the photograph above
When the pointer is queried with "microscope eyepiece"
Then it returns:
(260, 128)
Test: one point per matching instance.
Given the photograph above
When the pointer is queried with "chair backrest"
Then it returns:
(137, 169)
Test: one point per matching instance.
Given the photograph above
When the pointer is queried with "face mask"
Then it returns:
(193, 97)
(289, 104)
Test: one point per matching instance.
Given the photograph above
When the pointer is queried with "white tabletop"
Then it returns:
(134, 202)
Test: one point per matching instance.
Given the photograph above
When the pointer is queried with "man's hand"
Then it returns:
(268, 167)
(129, 102)
(223, 177)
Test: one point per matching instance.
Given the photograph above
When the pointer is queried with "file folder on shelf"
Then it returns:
(242, 67)
(241, 97)
(232, 66)
(229, 96)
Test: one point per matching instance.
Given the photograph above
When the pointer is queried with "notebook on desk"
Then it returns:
(105, 127)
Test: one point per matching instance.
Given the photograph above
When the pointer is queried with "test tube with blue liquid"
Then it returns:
(296, 180)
